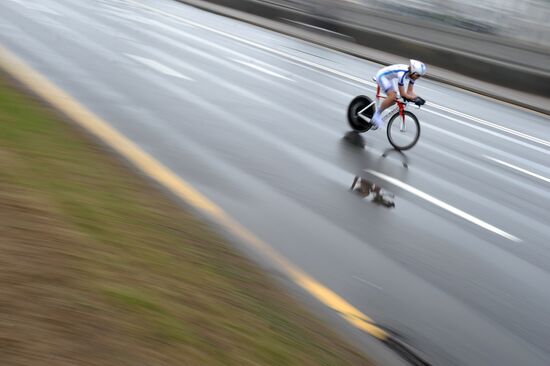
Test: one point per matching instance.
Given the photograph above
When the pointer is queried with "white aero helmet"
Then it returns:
(417, 67)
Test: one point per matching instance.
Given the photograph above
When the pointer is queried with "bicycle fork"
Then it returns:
(401, 110)
(402, 126)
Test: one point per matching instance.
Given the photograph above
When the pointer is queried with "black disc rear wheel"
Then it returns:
(358, 105)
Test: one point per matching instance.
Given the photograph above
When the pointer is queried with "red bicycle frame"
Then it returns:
(400, 104)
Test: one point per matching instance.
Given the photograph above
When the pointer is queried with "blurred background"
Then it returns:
(524, 21)
(504, 43)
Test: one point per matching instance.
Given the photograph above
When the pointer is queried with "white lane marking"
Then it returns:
(68, 34)
(235, 87)
(131, 17)
(264, 100)
(367, 282)
(450, 154)
(490, 124)
(185, 46)
(82, 15)
(445, 206)
(466, 139)
(262, 69)
(157, 66)
(244, 56)
(37, 7)
(253, 44)
(525, 171)
(331, 70)
(315, 27)
(493, 133)
(178, 43)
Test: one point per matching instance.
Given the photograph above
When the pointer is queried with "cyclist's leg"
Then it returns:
(391, 96)
(391, 93)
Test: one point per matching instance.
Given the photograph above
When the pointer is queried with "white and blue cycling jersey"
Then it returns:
(387, 77)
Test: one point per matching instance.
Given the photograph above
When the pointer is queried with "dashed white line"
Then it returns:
(262, 69)
(524, 171)
(491, 124)
(367, 282)
(131, 17)
(315, 27)
(493, 133)
(445, 206)
(37, 7)
(157, 66)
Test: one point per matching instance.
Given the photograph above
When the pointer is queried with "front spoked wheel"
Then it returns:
(403, 132)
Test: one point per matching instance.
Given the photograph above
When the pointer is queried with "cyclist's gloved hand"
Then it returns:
(419, 101)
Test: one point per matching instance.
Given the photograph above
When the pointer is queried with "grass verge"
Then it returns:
(99, 268)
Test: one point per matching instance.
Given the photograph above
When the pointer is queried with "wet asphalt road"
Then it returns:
(459, 268)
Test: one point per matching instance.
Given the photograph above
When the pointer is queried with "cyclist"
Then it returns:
(386, 78)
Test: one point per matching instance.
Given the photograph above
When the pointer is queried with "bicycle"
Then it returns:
(403, 135)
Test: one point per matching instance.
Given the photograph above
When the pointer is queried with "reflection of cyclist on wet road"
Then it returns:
(364, 188)
(388, 76)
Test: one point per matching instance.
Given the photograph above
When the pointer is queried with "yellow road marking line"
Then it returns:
(157, 171)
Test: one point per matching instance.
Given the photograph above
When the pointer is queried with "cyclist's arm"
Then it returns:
(409, 94)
